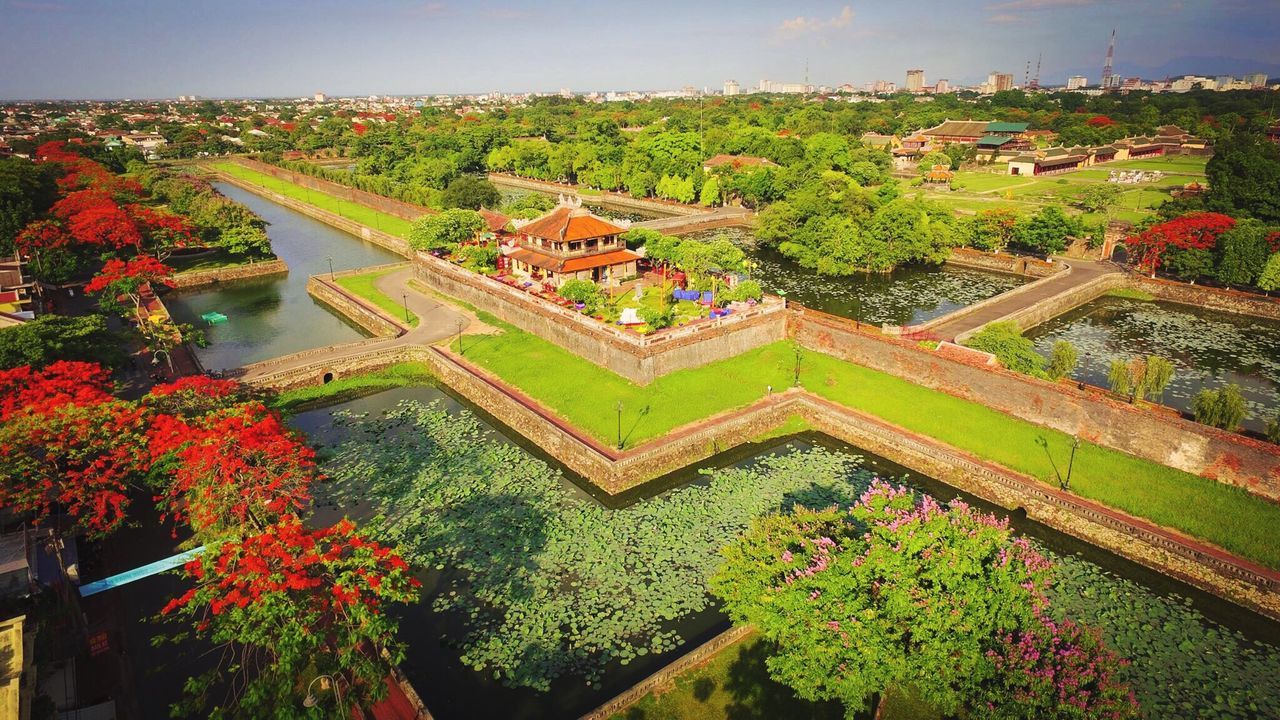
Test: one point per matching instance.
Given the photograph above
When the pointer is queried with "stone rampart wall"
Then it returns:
(1000, 262)
(1090, 413)
(1212, 298)
(353, 307)
(637, 358)
(1203, 566)
(399, 208)
(1056, 305)
(215, 276)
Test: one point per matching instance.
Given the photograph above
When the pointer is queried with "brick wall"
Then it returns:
(1232, 301)
(214, 276)
(1000, 262)
(666, 207)
(1172, 441)
(354, 308)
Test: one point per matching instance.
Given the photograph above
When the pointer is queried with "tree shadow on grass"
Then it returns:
(756, 696)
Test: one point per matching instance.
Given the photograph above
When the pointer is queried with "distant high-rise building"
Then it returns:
(998, 82)
(321, 97)
(915, 80)
(566, 93)
(773, 86)
(1222, 81)
(1256, 80)
(943, 86)
(731, 87)
(1075, 82)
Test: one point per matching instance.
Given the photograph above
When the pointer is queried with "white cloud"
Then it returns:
(800, 25)
(428, 9)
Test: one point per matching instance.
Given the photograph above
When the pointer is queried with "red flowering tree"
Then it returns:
(230, 470)
(105, 226)
(128, 279)
(1194, 231)
(161, 231)
(195, 396)
(68, 444)
(287, 604)
(1099, 121)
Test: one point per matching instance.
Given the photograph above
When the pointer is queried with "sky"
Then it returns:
(77, 49)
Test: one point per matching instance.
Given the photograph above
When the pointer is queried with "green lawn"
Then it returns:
(1169, 163)
(401, 375)
(363, 286)
(735, 683)
(215, 261)
(557, 379)
(977, 182)
(346, 208)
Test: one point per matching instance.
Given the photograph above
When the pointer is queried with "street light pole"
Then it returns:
(330, 259)
(311, 701)
(460, 350)
(619, 409)
(405, 298)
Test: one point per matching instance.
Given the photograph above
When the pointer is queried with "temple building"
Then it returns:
(570, 243)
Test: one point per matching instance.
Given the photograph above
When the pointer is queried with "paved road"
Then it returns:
(436, 322)
(1082, 271)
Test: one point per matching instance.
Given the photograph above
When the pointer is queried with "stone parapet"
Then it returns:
(1002, 262)
(1232, 301)
(372, 318)
(215, 276)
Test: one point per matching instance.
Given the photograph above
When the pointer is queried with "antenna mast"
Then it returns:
(1106, 69)
(1035, 82)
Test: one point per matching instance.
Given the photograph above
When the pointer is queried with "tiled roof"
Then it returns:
(738, 161)
(958, 128)
(994, 140)
(614, 257)
(495, 221)
(570, 224)
(1006, 127)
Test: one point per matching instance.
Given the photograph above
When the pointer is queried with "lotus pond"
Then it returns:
(1208, 348)
(907, 296)
(540, 601)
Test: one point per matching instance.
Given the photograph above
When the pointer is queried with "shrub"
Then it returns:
(581, 291)
(745, 290)
(658, 318)
(1015, 352)
(1273, 429)
(1062, 360)
(1140, 378)
(479, 258)
(1223, 408)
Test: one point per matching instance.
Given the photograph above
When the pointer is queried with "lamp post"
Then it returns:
(405, 298)
(330, 259)
(460, 350)
(618, 407)
(311, 700)
(797, 371)
(1075, 445)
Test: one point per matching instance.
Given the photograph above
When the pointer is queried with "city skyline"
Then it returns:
(72, 50)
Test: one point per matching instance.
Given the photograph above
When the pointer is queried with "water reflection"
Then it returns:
(907, 296)
(275, 316)
(1209, 349)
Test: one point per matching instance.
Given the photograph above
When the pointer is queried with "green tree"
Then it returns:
(991, 230)
(1098, 197)
(1244, 177)
(582, 291)
(1140, 377)
(1222, 408)
(934, 158)
(1047, 231)
(1273, 428)
(1189, 265)
(1011, 348)
(245, 240)
(1062, 360)
(1269, 279)
(1243, 252)
(710, 194)
(443, 231)
(50, 338)
(471, 193)
(27, 190)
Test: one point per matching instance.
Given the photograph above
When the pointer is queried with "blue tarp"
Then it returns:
(139, 573)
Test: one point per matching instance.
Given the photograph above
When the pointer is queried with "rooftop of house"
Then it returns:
(570, 223)
(997, 126)
(958, 128)
(494, 221)
(738, 161)
(994, 140)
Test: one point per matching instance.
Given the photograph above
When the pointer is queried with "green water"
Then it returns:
(275, 316)
(1208, 349)
(907, 296)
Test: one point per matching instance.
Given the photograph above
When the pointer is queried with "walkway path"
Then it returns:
(1080, 272)
(720, 217)
(436, 322)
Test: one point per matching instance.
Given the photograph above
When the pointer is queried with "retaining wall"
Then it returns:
(635, 357)
(399, 208)
(1166, 551)
(1232, 301)
(1056, 305)
(1091, 414)
(1000, 262)
(353, 307)
(215, 276)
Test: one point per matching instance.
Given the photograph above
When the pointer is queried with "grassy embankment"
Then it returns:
(346, 208)
(363, 286)
(400, 375)
(588, 395)
(735, 683)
